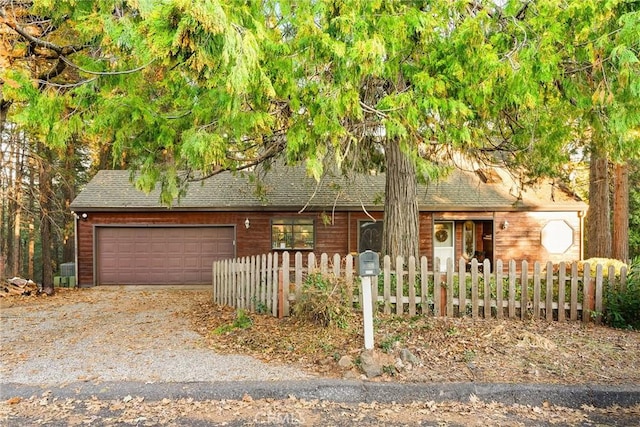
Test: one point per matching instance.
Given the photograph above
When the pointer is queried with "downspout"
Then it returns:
(581, 215)
(75, 247)
(348, 233)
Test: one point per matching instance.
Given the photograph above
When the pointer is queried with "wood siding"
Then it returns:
(338, 232)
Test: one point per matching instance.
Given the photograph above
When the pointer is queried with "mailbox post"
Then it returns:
(369, 266)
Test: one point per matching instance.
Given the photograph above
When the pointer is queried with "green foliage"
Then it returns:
(261, 307)
(634, 210)
(389, 342)
(241, 321)
(324, 301)
(623, 305)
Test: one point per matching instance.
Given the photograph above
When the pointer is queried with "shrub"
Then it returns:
(324, 301)
(623, 305)
(241, 321)
(605, 262)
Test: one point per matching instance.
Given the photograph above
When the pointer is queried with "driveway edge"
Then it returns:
(346, 391)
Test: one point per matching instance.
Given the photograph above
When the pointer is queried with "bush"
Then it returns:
(241, 321)
(605, 262)
(623, 305)
(324, 301)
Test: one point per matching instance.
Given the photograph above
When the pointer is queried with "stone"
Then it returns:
(345, 362)
(407, 357)
(370, 364)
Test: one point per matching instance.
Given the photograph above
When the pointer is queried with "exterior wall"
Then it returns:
(521, 240)
(338, 232)
(335, 237)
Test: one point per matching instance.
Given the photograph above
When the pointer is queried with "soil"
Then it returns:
(445, 350)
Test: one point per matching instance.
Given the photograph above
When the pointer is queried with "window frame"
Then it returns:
(465, 235)
(362, 222)
(288, 240)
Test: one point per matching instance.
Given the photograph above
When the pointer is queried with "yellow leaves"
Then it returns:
(602, 96)
(208, 13)
(11, 83)
(370, 54)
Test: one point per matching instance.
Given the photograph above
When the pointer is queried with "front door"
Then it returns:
(443, 238)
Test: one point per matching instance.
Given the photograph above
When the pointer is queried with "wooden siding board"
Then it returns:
(520, 241)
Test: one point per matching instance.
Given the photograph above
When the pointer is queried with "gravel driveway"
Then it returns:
(116, 334)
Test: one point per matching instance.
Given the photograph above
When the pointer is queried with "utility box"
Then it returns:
(369, 263)
(67, 277)
(68, 269)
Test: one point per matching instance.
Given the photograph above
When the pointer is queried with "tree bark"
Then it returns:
(16, 252)
(32, 228)
(400, 237)
(620, 236)
(8, 225)
(69, 193)
(598, 216)
(45, 187)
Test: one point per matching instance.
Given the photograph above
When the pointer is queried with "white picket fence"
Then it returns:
(270, 283)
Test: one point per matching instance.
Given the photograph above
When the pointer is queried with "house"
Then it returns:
(125, 236)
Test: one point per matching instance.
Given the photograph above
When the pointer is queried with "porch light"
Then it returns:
(84, 216)
(247, 224)
(505, 225)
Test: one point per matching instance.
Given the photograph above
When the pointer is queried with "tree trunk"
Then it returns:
(620, 237)
(45, 187)
(598, 225)
(69, 193)
(400, 237)
(32, 250)
(16, 252)
(32, 227)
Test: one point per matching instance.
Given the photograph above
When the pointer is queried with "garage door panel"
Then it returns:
(173, 262)
(192, 263)
(160, 255)
(192, 248)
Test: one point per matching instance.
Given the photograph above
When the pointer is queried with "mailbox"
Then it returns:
(369, 263)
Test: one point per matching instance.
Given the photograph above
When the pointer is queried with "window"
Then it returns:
(292, 233)
(370, 236)
(556, 236)
(468, 239)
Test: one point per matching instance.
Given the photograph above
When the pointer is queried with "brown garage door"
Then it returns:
(160, 255)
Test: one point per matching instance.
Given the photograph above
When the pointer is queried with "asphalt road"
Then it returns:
(317, 402)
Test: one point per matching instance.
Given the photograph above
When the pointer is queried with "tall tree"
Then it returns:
(620, 238)
(601, 77)
(210, 86)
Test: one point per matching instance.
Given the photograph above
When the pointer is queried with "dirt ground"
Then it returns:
(445, 350)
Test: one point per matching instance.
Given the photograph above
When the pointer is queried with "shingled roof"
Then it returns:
(289, 188)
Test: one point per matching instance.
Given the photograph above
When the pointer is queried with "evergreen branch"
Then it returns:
(55, 71)
(66, 86)
(272, 151)
(60, 50)
(106, 73)
(373, 110)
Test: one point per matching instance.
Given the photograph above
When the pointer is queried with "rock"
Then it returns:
(351, 375)
(345, 362)
(326, 361)
(407, 357)
(370, 364)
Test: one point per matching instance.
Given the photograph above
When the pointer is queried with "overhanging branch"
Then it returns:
(60, 50)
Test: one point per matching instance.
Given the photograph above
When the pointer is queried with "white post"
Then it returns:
(367, 312)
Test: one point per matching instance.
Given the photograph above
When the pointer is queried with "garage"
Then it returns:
(160, 255)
